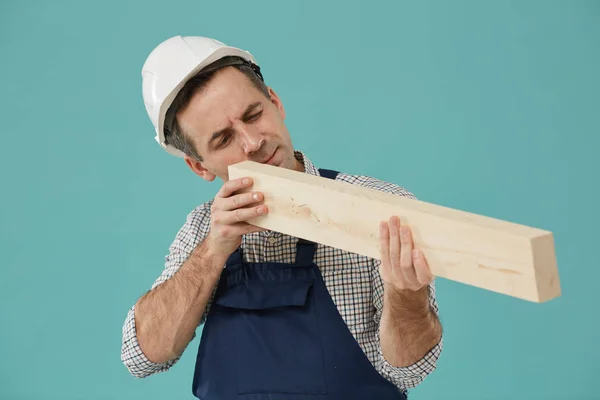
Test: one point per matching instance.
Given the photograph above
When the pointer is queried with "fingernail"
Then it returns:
(255, 196)
(261, 210)
(245, 181)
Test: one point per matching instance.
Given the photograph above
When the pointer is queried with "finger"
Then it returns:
(395, 250)
(249, 228)
(233, 186)
(239, 229)
(384, 246)
(242, 228)
(424, 274)
(240, 200)
(241, 215)
(406, 259)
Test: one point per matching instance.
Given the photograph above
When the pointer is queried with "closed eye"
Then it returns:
(253, 117)
(224, 140)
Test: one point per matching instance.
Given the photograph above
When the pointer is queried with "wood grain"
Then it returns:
(477, 250)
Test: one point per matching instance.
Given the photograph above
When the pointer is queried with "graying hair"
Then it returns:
(174, 134)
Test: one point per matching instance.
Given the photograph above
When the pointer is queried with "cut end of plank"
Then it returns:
(546, 268)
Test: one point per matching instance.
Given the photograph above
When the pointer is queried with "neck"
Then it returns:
(299, 166)
(298, 162)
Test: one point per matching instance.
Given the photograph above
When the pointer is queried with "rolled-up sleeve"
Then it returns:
(132, 356)
(411, 375)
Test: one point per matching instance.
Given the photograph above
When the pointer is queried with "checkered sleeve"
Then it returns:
(190, 234)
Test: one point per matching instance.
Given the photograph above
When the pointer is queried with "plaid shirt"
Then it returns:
(352, 280)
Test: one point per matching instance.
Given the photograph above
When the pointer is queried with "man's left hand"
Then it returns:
(402, 266)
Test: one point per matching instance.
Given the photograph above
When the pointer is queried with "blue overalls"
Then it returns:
(273, 332)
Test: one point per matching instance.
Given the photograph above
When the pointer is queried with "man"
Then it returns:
(283, 317)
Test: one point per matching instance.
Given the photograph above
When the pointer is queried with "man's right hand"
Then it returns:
(230, 211)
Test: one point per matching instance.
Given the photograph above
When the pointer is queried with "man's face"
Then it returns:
(230, 121)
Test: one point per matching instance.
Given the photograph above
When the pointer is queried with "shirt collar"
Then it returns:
(309, 167)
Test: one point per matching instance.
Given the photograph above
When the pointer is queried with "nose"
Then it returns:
(252, 139)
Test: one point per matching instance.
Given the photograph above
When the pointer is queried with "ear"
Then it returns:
(277, 101)
(198, 169)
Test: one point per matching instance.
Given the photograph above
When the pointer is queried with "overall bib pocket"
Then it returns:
(277, 339)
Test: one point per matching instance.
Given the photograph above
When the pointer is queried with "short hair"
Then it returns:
(174, 134)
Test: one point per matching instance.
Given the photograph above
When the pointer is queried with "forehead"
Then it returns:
(224, 98)
(227, 84)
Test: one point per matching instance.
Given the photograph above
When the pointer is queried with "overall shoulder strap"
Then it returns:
(328, 173)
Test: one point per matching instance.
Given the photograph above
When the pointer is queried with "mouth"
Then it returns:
(271, 160)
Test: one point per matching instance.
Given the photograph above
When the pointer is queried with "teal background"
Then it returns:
(491, 107)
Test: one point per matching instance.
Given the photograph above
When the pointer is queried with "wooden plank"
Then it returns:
(485, 252)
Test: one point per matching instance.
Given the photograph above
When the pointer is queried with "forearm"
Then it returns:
(409, 327)
(167, 316)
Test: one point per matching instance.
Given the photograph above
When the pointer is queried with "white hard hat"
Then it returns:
(169, 66)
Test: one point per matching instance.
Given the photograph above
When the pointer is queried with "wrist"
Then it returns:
(208, 257)
(408, 303)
